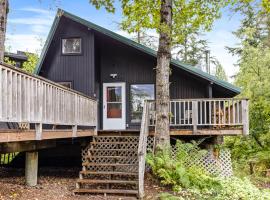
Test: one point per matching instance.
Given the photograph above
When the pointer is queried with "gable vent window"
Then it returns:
(71, 46)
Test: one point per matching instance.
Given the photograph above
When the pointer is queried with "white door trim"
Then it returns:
(114, 123)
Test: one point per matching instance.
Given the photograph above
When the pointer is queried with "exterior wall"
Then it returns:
(77, 69)
(135, 67)
(102, 56)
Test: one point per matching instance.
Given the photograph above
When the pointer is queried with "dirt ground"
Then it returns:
(55, 184)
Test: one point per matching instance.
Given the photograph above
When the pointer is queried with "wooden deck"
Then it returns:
(30, 135)
(30, 99)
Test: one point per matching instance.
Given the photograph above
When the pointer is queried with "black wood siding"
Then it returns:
(78, 69)
(102, 56)
(135, 67)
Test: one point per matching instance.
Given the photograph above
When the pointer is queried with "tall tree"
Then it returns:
(219, 71)
(171, 19)
(3, 25)
(192, 50)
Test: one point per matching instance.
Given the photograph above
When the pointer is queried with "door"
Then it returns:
(114, 106)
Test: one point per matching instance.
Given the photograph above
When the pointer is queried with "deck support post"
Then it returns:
(31, 168)
(216, 140)
(38, 128)
(194, 116)
(245, 119)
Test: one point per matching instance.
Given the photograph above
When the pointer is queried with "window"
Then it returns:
(71, 46)
(114, 102)
(65, 84)
(139, 93)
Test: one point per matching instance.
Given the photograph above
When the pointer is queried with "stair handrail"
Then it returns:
(144, 131)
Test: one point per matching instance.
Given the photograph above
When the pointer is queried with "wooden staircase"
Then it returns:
(110, 166)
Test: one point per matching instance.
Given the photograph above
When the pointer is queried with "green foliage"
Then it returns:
(168, 196)
(180, 172)
(253, 77)
(188, 16)
(219, 71)
(192, 50)
(10, 62)
(190, 181)
(30, 64)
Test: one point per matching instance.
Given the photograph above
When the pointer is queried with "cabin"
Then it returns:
(18, 58)
(120, 74)
(94, 84)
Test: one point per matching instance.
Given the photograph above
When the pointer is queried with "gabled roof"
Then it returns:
(189, 68)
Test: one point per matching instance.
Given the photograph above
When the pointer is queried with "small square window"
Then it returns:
(71, 46)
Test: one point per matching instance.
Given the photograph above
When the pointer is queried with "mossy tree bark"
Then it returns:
(3, 25)
(162, 75)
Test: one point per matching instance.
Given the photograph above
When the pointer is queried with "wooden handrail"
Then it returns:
(33, 99)
(207, 112)
(142, 147)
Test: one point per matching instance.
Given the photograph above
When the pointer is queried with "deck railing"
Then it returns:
(33, 99)
(229, 112)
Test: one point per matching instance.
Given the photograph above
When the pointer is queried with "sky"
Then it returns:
(29, 22)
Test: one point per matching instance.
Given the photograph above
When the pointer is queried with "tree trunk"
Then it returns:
(162, 75)
(3, 25)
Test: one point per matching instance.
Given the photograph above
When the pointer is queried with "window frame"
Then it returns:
(74, 53)
(130, 115)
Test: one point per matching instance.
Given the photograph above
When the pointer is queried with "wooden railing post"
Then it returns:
(142, 147)
(74, 131)
(245, 117)
(38, 128)
(194, 115)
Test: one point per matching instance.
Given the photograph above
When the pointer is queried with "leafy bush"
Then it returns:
(180, 172)
(193, 182)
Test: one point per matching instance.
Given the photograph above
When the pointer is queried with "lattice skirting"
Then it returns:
(218, 166)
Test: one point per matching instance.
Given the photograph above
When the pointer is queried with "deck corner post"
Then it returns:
(74, 130)
(245, 117)
(31, 168)
(194, 116)
(38, 127)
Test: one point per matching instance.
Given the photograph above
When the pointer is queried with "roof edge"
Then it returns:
(127, 41)
(48, 41)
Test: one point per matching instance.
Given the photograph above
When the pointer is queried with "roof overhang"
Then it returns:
(191, 69)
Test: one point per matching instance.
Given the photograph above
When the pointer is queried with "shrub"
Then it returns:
(193, 182)
(179, 171)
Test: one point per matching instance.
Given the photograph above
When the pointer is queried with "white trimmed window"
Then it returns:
(72, 46)
(139, 93)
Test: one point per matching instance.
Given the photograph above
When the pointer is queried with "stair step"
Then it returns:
(106, 191)
(108, 164)
(87, 172)
(94, 181)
